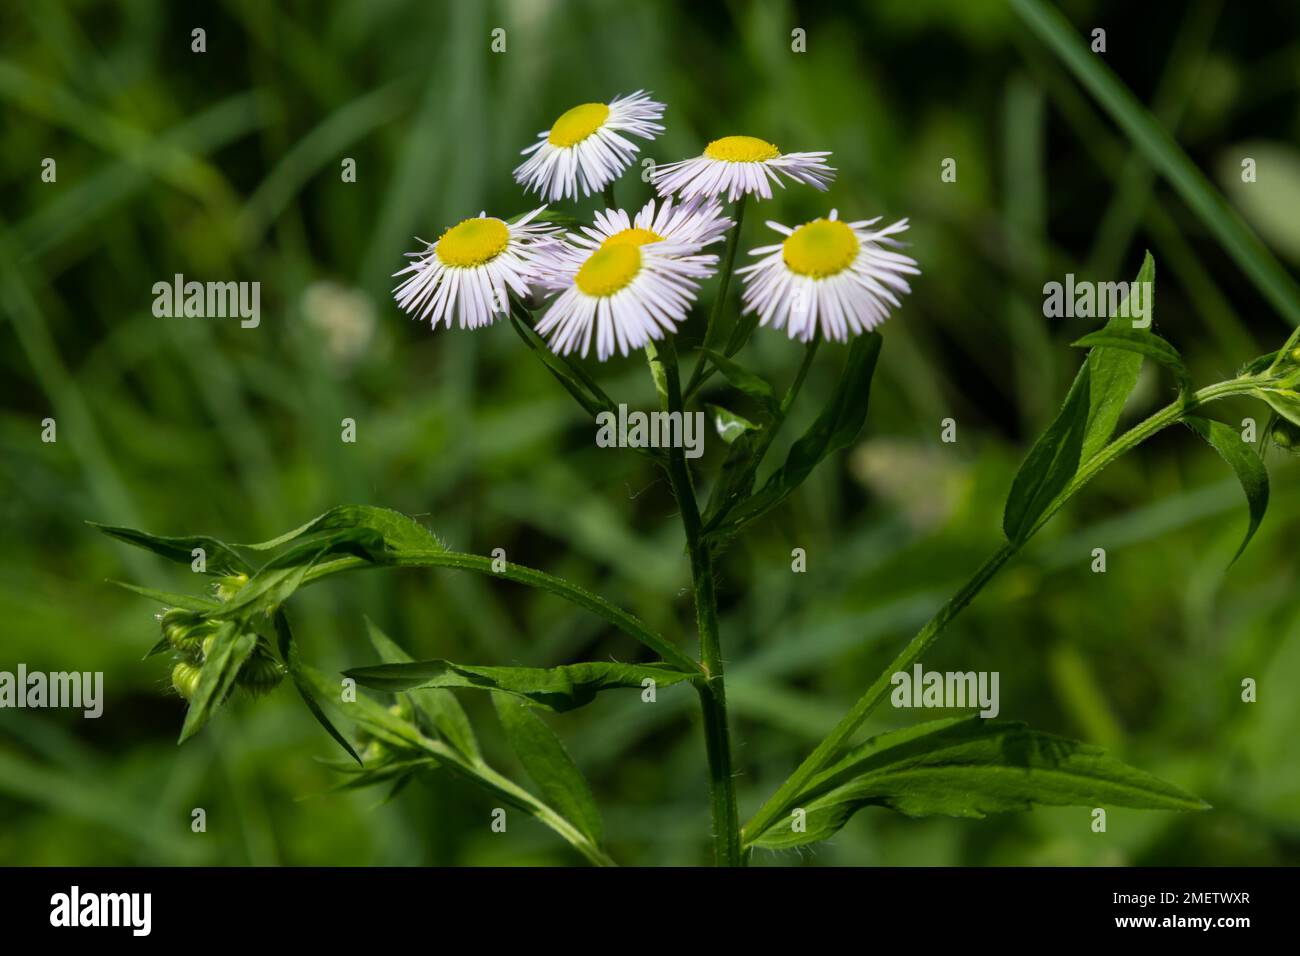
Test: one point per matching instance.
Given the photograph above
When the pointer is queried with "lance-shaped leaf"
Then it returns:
(438, 706)
(543, 755)
(293, 664)
(1112, 372)
(219, 557)
(966, 767)
(1247, 465)
(835, 428)
(555, 688)
(1051, 463)
(398, 531)
(759, 389)
(1144, 342)
(231, 647)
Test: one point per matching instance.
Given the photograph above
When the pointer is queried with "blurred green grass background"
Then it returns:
(226, 166)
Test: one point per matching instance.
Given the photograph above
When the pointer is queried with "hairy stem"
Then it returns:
(712, 689)
(829, 748)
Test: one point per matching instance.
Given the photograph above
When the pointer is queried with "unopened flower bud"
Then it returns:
(185, 678)
(260, 674)
(185, 630)
(228, 586)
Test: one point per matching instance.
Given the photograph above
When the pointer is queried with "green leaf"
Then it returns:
(1250, 470)
(1113, 372)
(730, 426)
(189, 602)
(439, 707)
(280, 577)
(556, 688)
(735, 479)
(1165, 155)
(968, 767)
(231, 646)
(219, 557)
(745, 380)
(543, 755)
(1283, 401)
(835, 428)
(293, 664)
(1051, 463)
(1143, 342)
(398, 531)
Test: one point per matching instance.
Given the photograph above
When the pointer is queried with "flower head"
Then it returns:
(625, 282)
(738, 165)
(584, 146)
(690, 225)
(470, 271)
(828, 274)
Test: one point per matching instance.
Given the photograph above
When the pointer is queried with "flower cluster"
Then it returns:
(630, 278)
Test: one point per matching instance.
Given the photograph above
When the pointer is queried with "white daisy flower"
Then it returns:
(828, 274)
(584, 144)
(629, 287)
(692, 225)
(471, 269)
(738, 165)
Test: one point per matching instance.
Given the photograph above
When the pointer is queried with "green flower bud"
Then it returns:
(207, 645)
(185, 678)
(260, 674)
(1285, 434)
(227, 587)
(185, 630)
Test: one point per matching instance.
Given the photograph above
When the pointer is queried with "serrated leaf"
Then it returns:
(742, 378)
(1050, 464)
(438, 706)
(231, 647)
(969, 767)
(730, 426)
(1247, 465)
(543, 755)
(1145, 343)
(559, 689)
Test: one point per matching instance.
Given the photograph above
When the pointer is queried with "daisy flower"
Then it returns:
(696, 223)
(468, 271)
(626, 284)
(738, 165)
(828, 274)
(584, 144)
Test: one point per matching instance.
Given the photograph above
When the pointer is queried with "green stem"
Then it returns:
(712, 690)
(713, 330)
(838, 738)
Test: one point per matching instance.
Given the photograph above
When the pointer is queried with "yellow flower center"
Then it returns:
(577, 124)
(821, 248)
(609, 269)
(632, 237)
(473, 242)
(741, 149)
